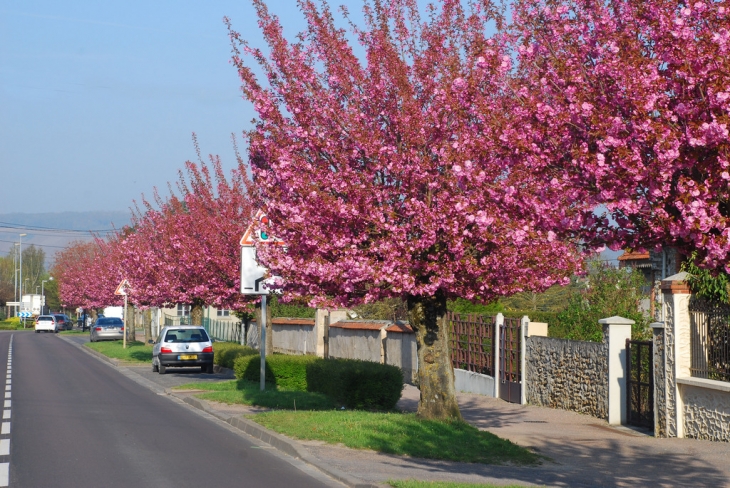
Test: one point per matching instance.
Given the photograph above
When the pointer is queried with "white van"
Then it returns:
(114, 312)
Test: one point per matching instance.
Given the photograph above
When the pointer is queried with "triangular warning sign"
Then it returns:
(121, 288)
(247, 239)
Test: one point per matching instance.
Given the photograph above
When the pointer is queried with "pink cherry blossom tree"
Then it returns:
(186, 249)
(626, 104)
(380, 156)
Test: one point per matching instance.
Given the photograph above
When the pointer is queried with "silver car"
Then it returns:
(107, 329)
(182, 347)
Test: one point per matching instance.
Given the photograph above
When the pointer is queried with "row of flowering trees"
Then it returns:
(180, 250)
(464, 154)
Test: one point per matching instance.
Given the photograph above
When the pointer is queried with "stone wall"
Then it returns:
(570, 375)
(706, 410)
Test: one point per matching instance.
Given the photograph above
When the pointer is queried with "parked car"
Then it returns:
(182, 347)
(107, 329)
(46, 323)
(64, 322)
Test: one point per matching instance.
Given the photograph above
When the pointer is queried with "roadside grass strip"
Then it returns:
(398, 433)
(444, 484)
(74, 332)
(136, 352)
(249, 393)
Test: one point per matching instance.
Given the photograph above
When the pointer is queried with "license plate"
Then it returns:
(184, 357)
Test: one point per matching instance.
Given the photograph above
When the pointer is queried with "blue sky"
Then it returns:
(98, 100)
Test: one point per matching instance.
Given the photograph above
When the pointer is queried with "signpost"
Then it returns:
(253, 277)
(122, 290)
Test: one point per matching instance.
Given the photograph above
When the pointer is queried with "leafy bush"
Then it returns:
(290, 309)
(288, 372)
(225, 353)
(705, 284)
(609, 291)
(361, 385)
(461, 305)
(352, 383)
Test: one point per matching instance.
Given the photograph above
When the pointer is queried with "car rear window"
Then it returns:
(45, 319)
(109, 321)
(186, 335)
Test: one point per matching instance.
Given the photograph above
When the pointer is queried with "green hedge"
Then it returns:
(351, 383)
(225, 353)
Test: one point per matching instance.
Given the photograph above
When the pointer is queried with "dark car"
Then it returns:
(63, 321)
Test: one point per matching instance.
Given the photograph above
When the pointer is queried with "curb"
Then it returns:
(282, 443)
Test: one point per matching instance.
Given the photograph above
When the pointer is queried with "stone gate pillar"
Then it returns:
(616, 330)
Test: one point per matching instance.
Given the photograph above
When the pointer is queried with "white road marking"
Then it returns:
(7, 387)
(7, 394)
(7, 382)
(5, 429)
(4, 474)
(6, 414)
(7, 404)
(4, 447)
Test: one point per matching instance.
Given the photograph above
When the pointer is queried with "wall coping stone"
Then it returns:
(676, 284)
(292, 321)
(658, 325)
(705, 383)
(616, 320)
(361, 324)
(400, 327)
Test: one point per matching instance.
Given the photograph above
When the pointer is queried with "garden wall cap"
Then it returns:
(292, 321)
(682, 276)
(361, 324)
(616, 320)
(399, 326)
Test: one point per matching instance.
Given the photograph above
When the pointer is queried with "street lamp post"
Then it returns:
(20, 251)
(15, 277)
(43, 295)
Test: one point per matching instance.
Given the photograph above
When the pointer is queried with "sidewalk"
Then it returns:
(581, 450)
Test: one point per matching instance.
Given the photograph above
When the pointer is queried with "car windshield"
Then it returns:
(109, 321)
(186, 335)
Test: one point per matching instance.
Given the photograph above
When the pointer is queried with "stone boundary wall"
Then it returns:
(569, 375)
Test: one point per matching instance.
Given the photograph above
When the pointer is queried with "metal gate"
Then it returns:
(510, 376)
(640, 383)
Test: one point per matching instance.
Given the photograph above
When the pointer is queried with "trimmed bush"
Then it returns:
(225, 353)
(288, 372)
(361, 385)
(352, 383)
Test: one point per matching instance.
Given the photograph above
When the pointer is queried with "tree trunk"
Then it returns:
(269, 335)
(196, 314)
(129, 313)
(147, 325)
(427, 317)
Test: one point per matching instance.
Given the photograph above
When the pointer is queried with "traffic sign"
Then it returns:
(24, 314)
(12, 304)
(261, 235)
(253, 276)
(121, 289)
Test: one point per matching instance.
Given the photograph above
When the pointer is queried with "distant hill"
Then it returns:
(55, 231)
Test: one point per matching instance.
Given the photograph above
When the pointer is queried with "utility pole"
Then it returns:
(15, 276)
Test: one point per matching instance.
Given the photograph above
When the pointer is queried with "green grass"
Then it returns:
(136, 352)
(249, 393)
(74, 332)
(397, 433)
(444, 484)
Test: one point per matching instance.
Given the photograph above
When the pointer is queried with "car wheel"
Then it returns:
(162, 369)
(208, 369)
(154, 366)
(38, 332)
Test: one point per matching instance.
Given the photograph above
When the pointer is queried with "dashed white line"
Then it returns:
(4, 474)
(6, 414)
(7, 404)
(7, 394)
(5, 429)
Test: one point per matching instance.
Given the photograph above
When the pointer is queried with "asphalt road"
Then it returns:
(78, 422)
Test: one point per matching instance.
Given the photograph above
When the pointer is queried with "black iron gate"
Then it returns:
(510, 360)
(640, 383)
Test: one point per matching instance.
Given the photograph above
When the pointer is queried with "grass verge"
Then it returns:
(444, 484)
(136, 352)
(397, 433)
(249, 393)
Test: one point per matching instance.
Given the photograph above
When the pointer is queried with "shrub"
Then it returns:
(361, 385)
(352, 383)
(227, 352)
(288, 372)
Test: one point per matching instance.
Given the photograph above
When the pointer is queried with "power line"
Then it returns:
(25, 226)
(36, 245)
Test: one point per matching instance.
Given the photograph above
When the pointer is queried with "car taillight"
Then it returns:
(97, 328)
(122, 328)
(208, 349)
(165, 349)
